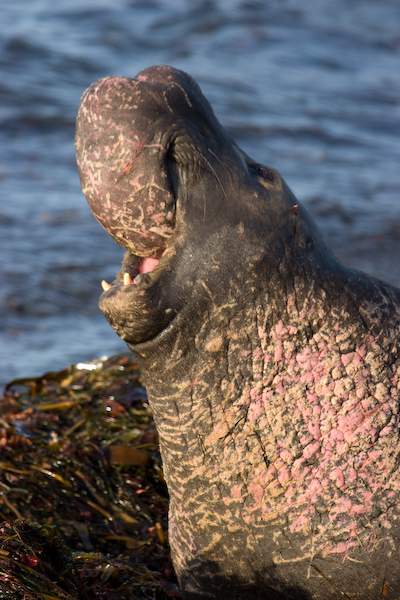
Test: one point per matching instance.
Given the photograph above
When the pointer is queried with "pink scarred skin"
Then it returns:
(114, 157)
(273, 371)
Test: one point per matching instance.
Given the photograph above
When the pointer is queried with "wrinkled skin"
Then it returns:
(272, 370)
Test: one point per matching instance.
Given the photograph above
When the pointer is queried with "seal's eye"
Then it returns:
(262, 171)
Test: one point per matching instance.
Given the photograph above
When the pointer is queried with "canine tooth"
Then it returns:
(106, 286)
(127, 279)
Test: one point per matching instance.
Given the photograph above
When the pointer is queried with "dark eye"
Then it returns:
(262, 171)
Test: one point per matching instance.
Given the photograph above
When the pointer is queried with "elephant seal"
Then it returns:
(272, 370)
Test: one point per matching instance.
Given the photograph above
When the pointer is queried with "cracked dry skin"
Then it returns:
(272, 370)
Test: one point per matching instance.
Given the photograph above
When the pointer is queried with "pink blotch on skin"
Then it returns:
(358, 360)
(315, 488)
(351, 475)
(259, 353)
(289, 353)
(284, 476)
(290, 492)
(280, 328)
(307, 377)
(338, 389)
(279, 387)
(286, 455)
(347, 358)
(342, 549)
(386, 431)
(268, 359)
(278, 351)
(312, 397)
(317, 410)
(337, 476)
(375, 454)
(311, 449)
(256, 491)
(314, 429)
(358, 509)
(221, 429)
(301, 522)
(299, 471)
(336, 435)
(301, 404)
(237, 493)
(386, 523)
(256, 411)
(350, 421)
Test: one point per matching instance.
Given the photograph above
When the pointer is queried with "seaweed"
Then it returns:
(82, 497)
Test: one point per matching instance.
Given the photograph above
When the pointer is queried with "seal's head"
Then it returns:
(168, 183)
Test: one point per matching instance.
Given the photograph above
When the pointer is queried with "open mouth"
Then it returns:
(134, 277)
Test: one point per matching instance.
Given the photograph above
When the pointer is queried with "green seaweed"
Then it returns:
(82, 497)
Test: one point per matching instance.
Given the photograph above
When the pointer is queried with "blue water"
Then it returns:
(310, 88)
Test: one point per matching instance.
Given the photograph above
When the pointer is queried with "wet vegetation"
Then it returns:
(83, 503)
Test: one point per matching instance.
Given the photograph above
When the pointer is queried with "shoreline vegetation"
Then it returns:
(83, 502)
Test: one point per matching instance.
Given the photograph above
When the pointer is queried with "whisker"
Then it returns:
(221, 163)
(215, 175)
(209, 165)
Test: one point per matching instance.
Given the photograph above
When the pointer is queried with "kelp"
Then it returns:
(83, 503)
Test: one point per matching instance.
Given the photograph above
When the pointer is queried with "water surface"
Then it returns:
(309, 88)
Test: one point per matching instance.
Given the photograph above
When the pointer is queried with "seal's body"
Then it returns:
(273, 371)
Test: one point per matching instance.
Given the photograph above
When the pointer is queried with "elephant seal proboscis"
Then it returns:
(273, 371)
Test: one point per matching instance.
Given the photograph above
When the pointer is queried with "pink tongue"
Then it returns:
(148, 265)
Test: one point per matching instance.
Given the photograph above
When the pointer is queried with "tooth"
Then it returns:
(127, 279)
(106, 286)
